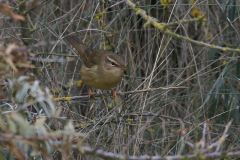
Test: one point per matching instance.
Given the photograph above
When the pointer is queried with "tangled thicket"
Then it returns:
(179, 97)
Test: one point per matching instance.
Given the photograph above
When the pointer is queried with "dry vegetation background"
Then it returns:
(195, 113)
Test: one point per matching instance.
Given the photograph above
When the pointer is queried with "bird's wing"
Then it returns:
(84, 52)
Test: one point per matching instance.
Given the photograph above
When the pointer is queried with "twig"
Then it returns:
(115, 4)
(114, 156)
(162, 27)
(107, 94)
(228, 19)
(118, 93)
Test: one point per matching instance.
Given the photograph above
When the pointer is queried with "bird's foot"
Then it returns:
(114, 94)
(91, 94)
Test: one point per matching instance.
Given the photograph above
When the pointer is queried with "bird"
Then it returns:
(101, 69)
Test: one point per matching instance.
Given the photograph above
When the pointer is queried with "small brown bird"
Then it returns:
(101, 69)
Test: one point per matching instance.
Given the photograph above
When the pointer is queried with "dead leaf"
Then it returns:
(6, 9)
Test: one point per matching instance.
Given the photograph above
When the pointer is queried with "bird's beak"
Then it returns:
(123, 68)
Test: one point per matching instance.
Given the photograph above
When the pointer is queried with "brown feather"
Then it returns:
(101, 69)
(83, 51)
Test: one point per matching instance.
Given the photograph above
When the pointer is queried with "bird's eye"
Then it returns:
(113, 63)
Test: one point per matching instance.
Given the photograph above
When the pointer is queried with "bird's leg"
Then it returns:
(114, 94)
(90, 93)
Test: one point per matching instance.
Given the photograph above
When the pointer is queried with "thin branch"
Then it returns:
(106, 94)
(162, 27)
(230, 23)
(118, 93)
(113, 156)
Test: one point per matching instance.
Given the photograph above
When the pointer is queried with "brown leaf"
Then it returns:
(9, 58)
(6, 9)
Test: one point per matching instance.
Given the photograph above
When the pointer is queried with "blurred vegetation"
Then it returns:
(198, 115)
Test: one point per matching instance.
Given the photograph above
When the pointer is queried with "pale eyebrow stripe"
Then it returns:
(112, 60)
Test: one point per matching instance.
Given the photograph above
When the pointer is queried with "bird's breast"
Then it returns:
(100, 78)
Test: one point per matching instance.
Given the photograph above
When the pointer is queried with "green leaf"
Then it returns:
(235, 111)
(231, 11)
(238, 68)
